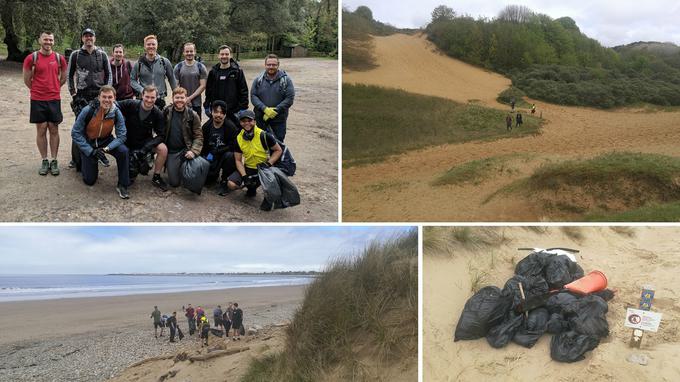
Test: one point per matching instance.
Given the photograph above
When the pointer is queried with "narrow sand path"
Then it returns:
(413, 64)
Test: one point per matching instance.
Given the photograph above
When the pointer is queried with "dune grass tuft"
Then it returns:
(362, 307)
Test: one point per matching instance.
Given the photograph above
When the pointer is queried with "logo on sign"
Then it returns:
(634, 319)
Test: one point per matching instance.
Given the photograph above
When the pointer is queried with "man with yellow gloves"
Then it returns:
(272, 94)
(255, 148)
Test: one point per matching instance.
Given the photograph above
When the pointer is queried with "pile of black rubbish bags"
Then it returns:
(534, 302)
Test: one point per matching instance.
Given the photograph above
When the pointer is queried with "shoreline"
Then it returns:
(94, 339)
(70, 316)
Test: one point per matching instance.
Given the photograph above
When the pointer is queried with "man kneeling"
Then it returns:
(93, 133)
(183, 135)
(255, 148)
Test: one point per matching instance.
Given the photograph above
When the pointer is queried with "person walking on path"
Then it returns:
(193, 76)
(508, 122)
(518, 119)
(44, 74)
(153, 69)
(272, 94)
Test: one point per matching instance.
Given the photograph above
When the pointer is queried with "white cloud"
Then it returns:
(608, 21)
(179, 249)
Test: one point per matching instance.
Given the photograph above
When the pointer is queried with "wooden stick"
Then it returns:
(524, 299)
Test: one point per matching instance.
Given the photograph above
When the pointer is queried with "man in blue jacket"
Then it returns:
(272, 95)
(93, 134)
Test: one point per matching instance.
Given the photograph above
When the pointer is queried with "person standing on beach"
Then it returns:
(191, 318)
(236, 322)
(204, 327)
(156, 315)
(171, 323)
(44, 74)
(518, 119)
(217, 316)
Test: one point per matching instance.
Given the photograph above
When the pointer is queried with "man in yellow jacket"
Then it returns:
(255, 148)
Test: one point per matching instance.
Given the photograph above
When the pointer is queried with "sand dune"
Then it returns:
(409, 63)
(631, 258)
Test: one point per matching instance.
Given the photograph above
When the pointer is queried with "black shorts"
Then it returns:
(46, 111)
(157, 325)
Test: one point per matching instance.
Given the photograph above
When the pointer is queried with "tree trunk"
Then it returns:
(11, 39)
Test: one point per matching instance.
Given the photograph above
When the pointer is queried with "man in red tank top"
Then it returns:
(44, 74)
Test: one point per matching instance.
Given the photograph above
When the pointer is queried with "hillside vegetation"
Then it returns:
(358, 322)
(550, 59)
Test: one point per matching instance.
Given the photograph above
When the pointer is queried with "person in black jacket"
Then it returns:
(227, 82)
(237, 322)
(145, 134)
(219, 142)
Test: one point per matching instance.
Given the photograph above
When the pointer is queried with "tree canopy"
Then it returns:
(262, 25)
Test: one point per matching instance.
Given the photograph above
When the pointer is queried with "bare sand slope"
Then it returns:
(569, 133)
(26, 196)
(630, 258)
(414, 64)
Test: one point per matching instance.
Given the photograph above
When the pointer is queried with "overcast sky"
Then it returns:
(106, 249)
(611, 22)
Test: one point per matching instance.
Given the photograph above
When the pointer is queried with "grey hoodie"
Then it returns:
(152, 73)
(278, 93)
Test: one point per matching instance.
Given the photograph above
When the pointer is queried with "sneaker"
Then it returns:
(45, 167)
(123, 193)
(104, 161)
(54, 168)
(266, 206)
(159, 182)
(222, 189)
(251, 192)
(71, 164)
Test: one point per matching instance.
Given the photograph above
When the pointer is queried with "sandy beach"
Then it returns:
(94, 339)
(629, 256)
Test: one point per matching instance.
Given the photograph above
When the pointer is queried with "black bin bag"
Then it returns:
(501, 334)
(533, 328)
(484, 310)
(194, 173)
(588, 315)
(571, 346)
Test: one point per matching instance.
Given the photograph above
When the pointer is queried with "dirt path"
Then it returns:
(569, 133)
(26, 196)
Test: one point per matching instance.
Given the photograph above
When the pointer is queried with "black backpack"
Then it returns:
(286, 163)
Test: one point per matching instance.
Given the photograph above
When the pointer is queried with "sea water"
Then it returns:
(47, 287)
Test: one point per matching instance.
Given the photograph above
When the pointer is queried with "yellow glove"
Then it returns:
(270, 113)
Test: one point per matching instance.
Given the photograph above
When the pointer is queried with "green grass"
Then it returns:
(475, 171)
(379, 122)
(647, 184)
(508, 94)
(363, 306)
(666, 212)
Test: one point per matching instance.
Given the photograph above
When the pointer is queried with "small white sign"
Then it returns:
(643, 319)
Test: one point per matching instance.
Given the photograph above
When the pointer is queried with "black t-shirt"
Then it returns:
(175, 140)
(266, 139)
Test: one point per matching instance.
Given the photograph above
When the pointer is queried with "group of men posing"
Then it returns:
(197, 320)
(120, 111)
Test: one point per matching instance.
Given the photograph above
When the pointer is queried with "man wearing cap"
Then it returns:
(272, 94)
(152, 69)
(255, 147)
(88, 70)
(219, 142)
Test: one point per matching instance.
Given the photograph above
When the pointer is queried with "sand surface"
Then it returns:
(568, 133)
(630, 258)
(312, 136)
(92, 339)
